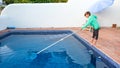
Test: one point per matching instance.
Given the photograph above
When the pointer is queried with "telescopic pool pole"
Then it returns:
(35, 54)
(56, 42)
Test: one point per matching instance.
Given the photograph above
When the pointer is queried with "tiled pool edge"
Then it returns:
(40, 32)
(110, 62)
(98, 53)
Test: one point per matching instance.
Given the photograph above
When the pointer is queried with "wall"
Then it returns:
(110, 15)
(55, 15)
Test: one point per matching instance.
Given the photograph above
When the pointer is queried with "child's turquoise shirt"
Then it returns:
(92, 21)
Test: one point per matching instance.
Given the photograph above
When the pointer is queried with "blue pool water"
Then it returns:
(17, 51)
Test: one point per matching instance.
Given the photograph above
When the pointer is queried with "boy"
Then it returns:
(92, 21)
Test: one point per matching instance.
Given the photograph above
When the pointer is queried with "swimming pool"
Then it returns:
(17, 47)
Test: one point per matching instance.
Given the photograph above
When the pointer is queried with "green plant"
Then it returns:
(64, 1)
(8, 1)
(2, 7)
(33, 1)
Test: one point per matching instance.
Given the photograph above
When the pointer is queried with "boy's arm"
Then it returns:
(88, 23)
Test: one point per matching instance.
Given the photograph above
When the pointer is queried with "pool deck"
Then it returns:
(108, 42)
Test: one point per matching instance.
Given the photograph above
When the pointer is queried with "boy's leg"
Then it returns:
(96, 36)
(95, 41)
(93, 37)
(92, 40)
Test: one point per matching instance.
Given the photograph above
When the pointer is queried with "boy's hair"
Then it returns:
(87, 13)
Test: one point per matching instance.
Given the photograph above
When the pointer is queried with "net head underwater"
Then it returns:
(49, 49)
